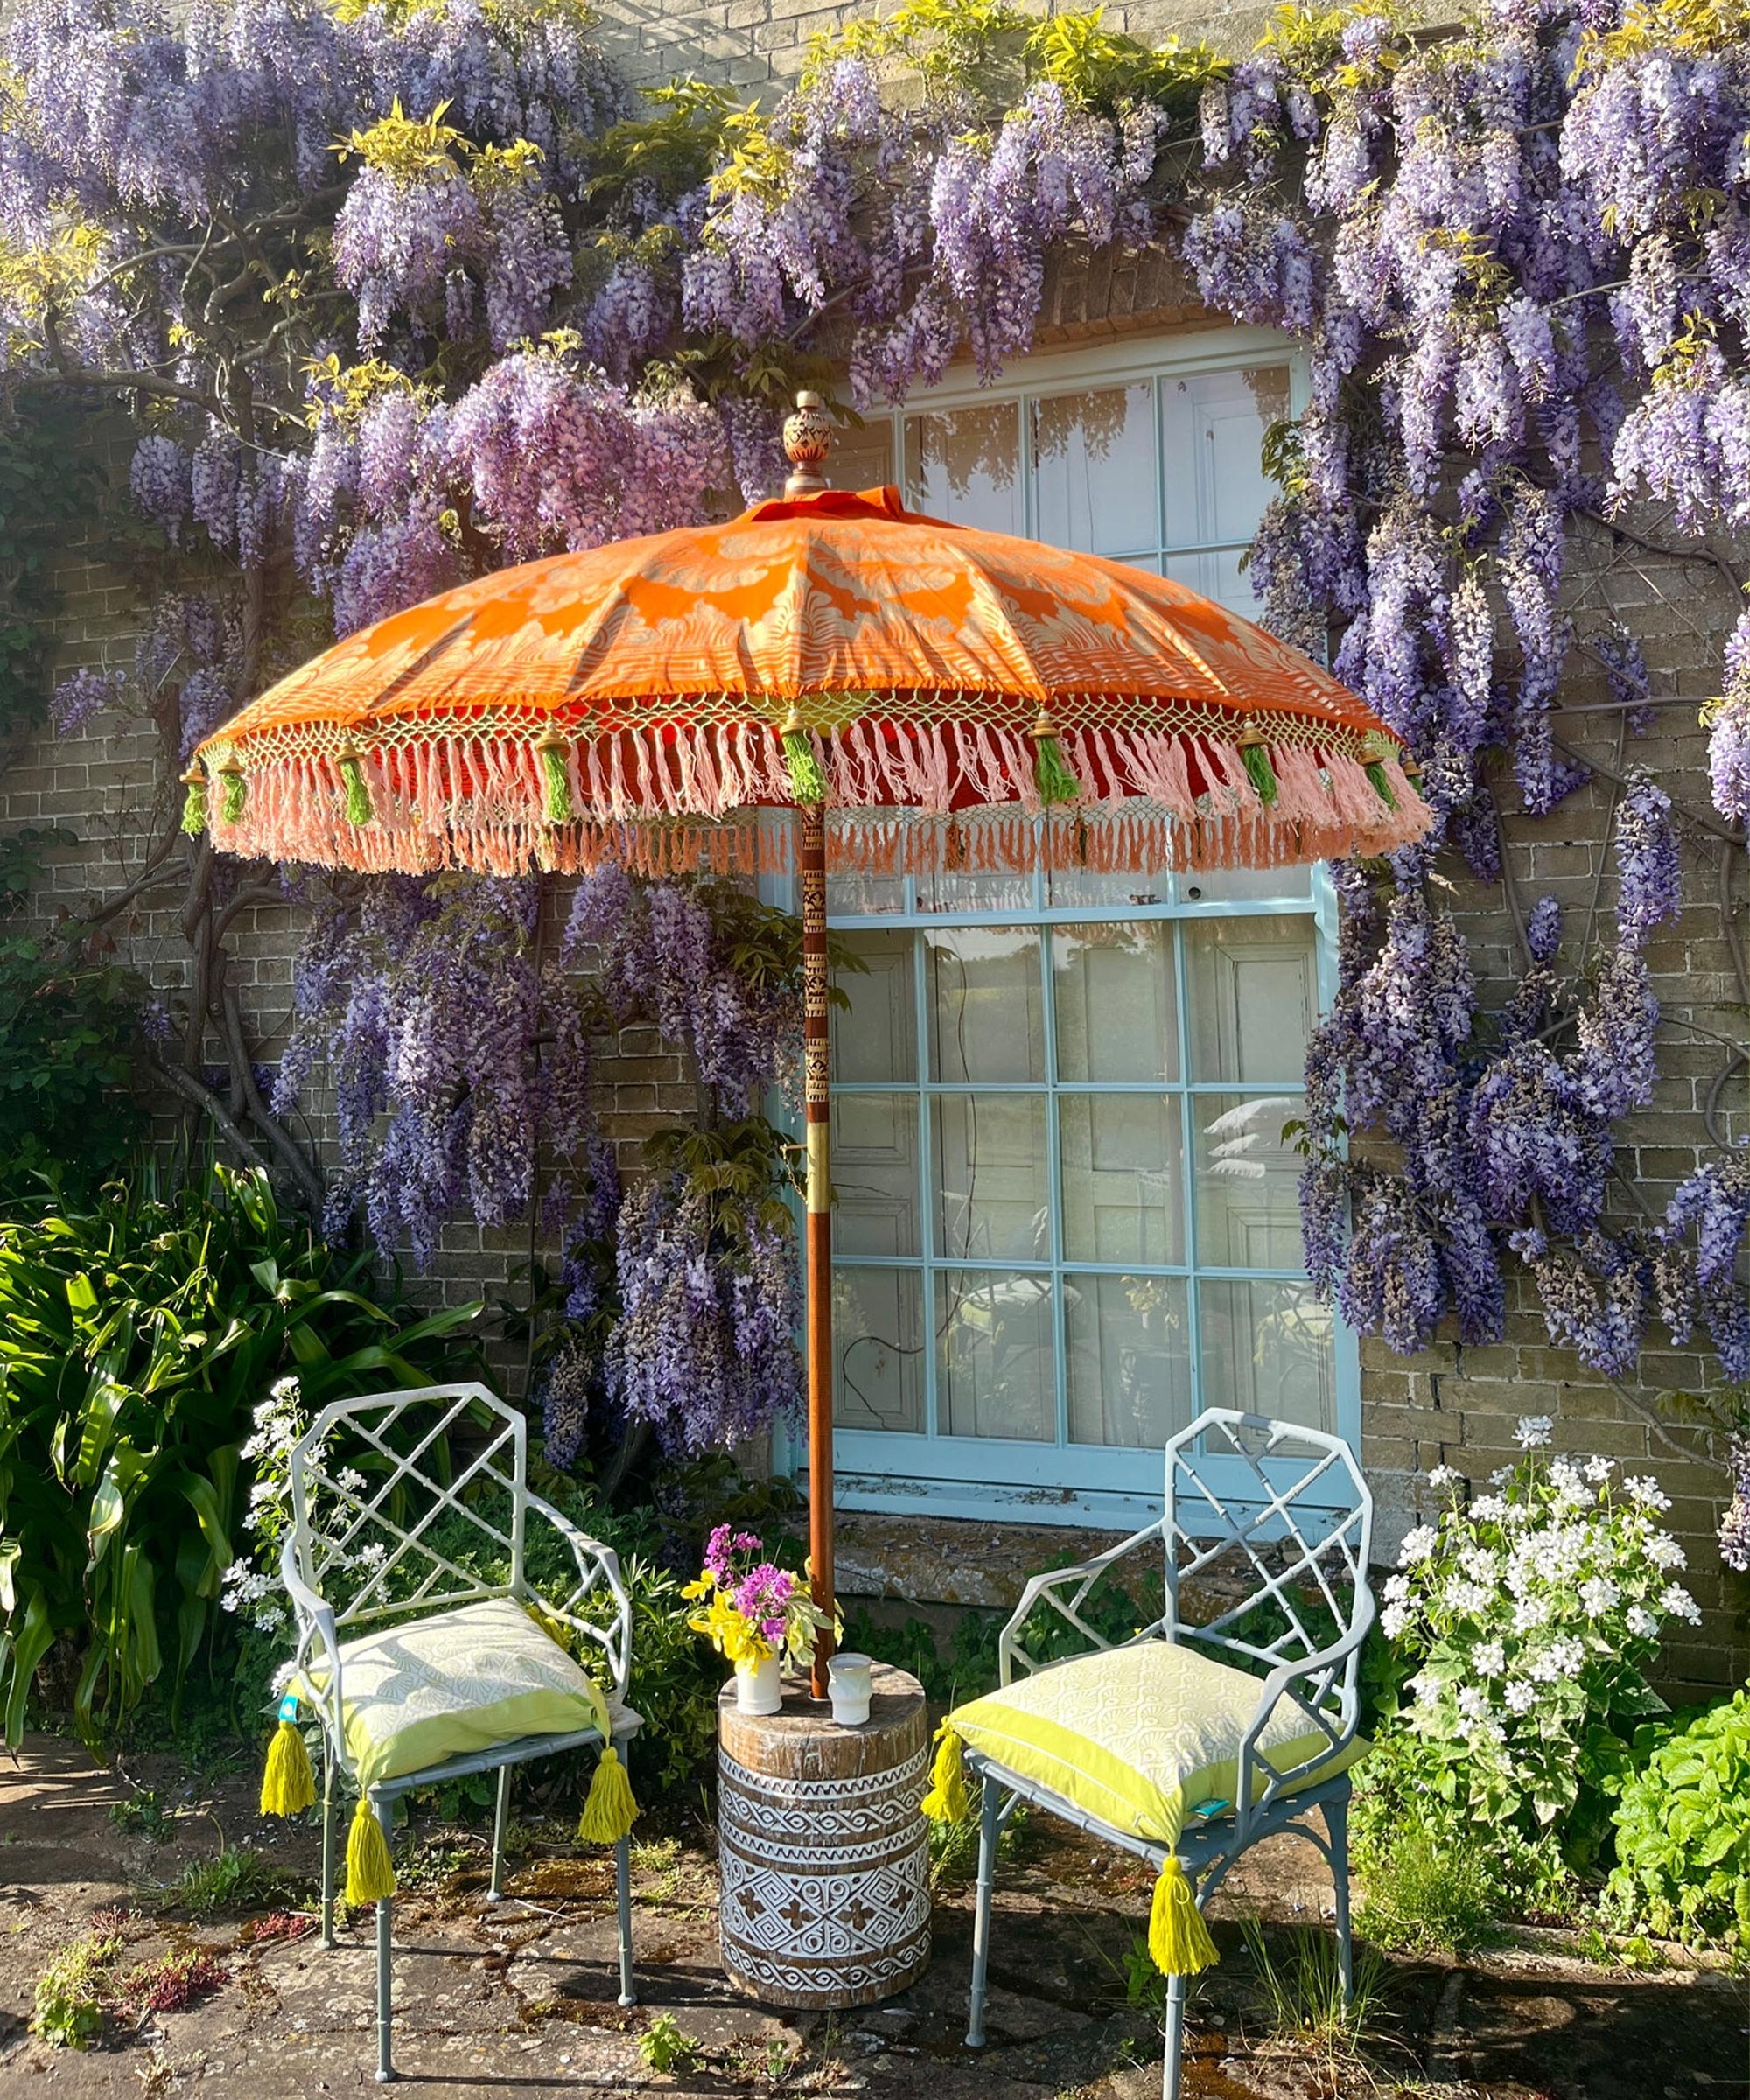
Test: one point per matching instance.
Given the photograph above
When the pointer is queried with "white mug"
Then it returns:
(848, 1688)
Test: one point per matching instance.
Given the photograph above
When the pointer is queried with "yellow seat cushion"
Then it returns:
(1138, 1737)
(461, 1681)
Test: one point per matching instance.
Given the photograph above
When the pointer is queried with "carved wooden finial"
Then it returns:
(808, 439)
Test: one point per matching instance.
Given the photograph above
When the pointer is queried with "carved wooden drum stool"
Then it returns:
(824, 1853)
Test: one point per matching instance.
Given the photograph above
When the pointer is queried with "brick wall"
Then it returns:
(1452, 1403)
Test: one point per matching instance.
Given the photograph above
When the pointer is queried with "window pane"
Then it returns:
(1212, 435)
(945, 892)
(991, 1177)
(966, 466)
(1218, 575)
(877, 1349)
(1130, 1359)
(985, 1019)
(1123, 1186)
(875, 1173)
(1267, 1350)
(1254, 989)
(1094, 458)
(1067, 888)
(1248, 1181)
(876, 1037)
(1116, 1015)
(862, 459)
(1245, 885)
(854, 896)
(996, 1365)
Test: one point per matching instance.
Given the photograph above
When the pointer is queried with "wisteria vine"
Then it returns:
(494, 309)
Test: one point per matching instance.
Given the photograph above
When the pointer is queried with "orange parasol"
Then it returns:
(927, 695)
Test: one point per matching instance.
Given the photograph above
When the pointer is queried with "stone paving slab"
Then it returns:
(520, 1997)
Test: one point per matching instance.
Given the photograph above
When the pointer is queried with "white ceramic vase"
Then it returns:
(757, 1689)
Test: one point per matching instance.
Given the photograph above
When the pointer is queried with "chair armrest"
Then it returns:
(1334, 1665)
(316, 1628)
(598, 1565)
(1079, 1580)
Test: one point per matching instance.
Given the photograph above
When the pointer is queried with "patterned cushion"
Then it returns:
(458, 1682)
(1137, 1737)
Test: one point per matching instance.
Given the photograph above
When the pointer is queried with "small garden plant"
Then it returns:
(1527, 1617)
(1683, 1833)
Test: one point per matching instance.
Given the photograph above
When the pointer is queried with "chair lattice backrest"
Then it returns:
(1294, 1532)
(409, 1503)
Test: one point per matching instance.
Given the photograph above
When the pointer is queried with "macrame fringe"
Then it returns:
(908, 800)
(1178, 1939)
(288, 1783)
(948, 1799)
(611, 1809)
(370, 1874)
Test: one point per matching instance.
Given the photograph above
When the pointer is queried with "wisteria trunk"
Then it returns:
(811, 866)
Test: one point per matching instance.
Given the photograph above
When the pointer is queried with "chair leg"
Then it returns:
(328, 1829)
(1175, 2038)
(989, 1826)
(386, 2071)
(499, 1810)
(622, 1877)
(1337, 1824)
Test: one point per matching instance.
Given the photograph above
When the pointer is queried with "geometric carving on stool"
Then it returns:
(824, 1877)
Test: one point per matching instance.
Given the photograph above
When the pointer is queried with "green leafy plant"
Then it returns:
(665, 2047)
(47, 479)
(69, 1022)
(1683, 1832)
(70, 1993)
(1301, 1987)
(235, 1879)
(1424, 1892)
(137, 1337)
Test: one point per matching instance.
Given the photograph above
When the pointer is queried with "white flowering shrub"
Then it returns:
(1527, 1616)
(253, 1588)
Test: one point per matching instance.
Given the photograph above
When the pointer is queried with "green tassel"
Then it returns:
(288, 1784)
(234, 792)
(1382, 787)
(357, 794)
(1414, 777)
(1055, 781)
(1261, 773)
(370, 1876)
(808, 781)
(555, 781)
(194, 803)
(610, 1809)
(947, 1799)
(1179, 1939)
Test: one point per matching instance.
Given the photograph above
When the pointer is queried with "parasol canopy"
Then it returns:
(926, 695)
(968, 700)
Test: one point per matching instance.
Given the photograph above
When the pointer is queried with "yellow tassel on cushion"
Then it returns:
(288, 1784)
(610, 1809)
(1179, 1939)
(369, 1874)
(947, 1799)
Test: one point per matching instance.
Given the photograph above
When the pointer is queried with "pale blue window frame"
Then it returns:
(1058, 1481)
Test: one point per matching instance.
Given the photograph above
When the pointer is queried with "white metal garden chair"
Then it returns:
(1176, 1722)
(450, 1668)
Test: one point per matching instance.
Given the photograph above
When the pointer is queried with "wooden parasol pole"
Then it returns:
(817, 1111)
(807, 435)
